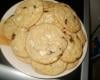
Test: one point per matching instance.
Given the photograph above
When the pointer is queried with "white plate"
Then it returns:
(27, 68)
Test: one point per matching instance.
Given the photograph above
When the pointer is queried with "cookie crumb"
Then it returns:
(34, 6)
(65, 21)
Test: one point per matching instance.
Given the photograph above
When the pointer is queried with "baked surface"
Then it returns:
(28, 13)
(18, 43)
(45, 43)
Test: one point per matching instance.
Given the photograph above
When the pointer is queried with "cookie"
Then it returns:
(25, 60)
(72, 65)
(18, 43)
(45, 43)
(28, 13)
(73, 50)
(9, 27)
(67, 17)
(50, 69)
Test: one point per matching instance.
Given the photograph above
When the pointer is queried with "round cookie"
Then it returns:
(45, 43)
(73, 50)
(50, 69)
(67, 17)
(72, 65)
(18, 43)
(25, 60)
(9, 27)
(28, 13)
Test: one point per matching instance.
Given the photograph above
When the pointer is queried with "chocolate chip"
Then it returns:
(74, 17)
(65, 21)
(24, 7)
(64, 32)
(71, 40)
(34, 6)
(45, 11)
(13, 36)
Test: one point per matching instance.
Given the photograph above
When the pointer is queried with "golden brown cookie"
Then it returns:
(28, 13)
(67, 17)
(50, 69)
(18, 43)
(73, 50)
(45, 43)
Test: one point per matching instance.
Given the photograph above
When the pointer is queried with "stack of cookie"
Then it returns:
(45, 34)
